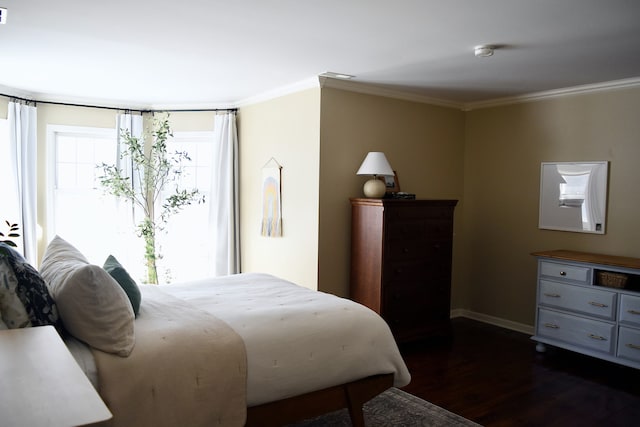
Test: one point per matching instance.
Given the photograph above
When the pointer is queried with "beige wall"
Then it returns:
(489, 159)
(423, 143)
(504, 148)
(286, 129)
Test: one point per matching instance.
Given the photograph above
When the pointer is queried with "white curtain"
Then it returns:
(134, 124)
(223, 206)
(130, 246)
(23, 151)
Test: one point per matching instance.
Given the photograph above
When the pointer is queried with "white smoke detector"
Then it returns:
(484, 50)
(3, 15)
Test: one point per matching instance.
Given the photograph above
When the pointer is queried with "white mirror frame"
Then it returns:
(573, 196)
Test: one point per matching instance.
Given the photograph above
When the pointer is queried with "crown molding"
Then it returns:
(370, 89)
(18, 93)
(71, 100)
(309, 83)
(328, 82)
(556, 93)
(536, 96)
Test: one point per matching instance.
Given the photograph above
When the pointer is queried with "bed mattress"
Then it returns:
(297, 340)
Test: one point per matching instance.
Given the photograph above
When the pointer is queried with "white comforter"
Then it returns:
(297, 340)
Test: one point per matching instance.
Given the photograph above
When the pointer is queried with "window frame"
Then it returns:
(51, 164)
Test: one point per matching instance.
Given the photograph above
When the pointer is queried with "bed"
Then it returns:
(246, 349)
(298, 343)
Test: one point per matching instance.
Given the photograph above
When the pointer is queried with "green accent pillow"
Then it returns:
(117, 271)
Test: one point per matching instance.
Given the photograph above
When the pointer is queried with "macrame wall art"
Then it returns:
(271, 199)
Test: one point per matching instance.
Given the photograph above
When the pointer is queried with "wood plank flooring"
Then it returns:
(495, 377)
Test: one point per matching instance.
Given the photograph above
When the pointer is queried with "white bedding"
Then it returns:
(297, 340)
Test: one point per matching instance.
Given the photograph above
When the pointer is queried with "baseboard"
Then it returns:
(496, 321)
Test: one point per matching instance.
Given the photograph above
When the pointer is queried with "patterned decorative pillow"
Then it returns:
(117, 271)
(24, 297)
(93, 307)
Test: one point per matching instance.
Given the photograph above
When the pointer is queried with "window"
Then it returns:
(78, 209)
(187, 248)
(99, 225)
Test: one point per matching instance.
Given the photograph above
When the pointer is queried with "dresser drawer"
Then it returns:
(630, 310)
(629, 343)
(565, 272)
(579, 331)
(433, 252)
(425, 270)
(419, 229)
(593, 302)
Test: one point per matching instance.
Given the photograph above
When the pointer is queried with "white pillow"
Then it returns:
(92, 305)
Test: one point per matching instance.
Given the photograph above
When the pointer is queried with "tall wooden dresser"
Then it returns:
(401, 263)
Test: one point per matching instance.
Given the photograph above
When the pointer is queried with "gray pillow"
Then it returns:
(92, 305)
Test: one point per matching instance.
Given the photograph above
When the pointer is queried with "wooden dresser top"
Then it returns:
(360, 201)
(618, 261)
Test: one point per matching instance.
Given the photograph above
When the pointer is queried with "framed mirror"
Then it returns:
(573, 196)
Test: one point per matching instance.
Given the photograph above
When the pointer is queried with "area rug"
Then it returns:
(394, 408)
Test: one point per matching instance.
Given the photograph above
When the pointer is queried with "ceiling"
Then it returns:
(209, 53)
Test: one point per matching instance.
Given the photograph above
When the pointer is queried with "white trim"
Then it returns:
(496, 321)
(350, 85)
(309, 83)
(556, 93)
(19, 93)
(370, 89)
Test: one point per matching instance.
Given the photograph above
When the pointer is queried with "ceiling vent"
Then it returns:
(3, 15)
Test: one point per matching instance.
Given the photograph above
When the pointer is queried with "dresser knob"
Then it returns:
(563, 273)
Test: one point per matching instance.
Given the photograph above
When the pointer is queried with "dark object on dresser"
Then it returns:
(401, 263)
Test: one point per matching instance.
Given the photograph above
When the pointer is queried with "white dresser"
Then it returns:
(590, 304)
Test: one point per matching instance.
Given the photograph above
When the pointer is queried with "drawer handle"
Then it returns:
(633, 311)
(563, 273)
(551, 325)
(597, 304)
(597, 337)
(633, 346)
(552, 295)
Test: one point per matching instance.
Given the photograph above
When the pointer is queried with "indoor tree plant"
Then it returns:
(154, 168)
(11, 234)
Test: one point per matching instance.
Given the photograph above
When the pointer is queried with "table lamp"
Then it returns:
(375, 164)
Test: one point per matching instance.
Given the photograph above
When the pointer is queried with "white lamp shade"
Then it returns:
(375, 164)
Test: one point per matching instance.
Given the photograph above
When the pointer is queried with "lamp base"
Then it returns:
(374, 188)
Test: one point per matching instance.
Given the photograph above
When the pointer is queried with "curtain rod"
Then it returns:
(104, 107)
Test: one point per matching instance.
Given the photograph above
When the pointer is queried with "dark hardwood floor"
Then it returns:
(495, 377)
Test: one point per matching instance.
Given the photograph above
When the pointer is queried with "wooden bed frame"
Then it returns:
(351, 395)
